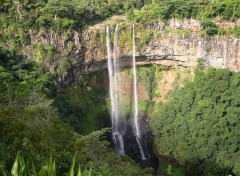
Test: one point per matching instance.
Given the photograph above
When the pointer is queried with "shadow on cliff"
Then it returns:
(151, 86)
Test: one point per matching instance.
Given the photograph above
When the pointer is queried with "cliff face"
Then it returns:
(76, 53)
(176, 50)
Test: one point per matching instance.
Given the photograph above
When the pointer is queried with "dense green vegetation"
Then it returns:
(23, 82)
(167, 9)
(30, 124)
(59, 15)
(203, 10)
(199, 125)
(18, 16)
(80, 108)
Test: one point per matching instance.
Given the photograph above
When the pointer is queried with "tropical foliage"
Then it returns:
(199, 125)
(31, 126)
(167, 9)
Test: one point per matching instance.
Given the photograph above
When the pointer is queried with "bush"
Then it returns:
(236, 31)
(209, 27)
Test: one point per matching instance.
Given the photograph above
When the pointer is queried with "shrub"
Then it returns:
(209, 27)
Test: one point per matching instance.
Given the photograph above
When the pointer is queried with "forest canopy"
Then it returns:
(60, 14)
(199, 126)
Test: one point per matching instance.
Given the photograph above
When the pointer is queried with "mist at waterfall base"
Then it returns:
(127, 134)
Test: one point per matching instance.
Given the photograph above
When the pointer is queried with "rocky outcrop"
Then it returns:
(177, 50)
(85, 50)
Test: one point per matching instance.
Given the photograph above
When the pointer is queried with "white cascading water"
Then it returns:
(135, 98)
(113, 69)
(110, 72)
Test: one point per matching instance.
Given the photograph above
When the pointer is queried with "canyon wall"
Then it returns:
(179, 44)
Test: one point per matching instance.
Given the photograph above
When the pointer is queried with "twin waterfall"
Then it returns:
(118, 120)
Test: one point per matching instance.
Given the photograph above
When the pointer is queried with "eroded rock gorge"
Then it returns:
(85, 51)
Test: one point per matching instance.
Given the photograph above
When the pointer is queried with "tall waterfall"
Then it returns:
(114, 82)
(135, 98)
(118, 125)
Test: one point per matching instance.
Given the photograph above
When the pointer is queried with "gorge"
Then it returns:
(86, 50)
(130, 87)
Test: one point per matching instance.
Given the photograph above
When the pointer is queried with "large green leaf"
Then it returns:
(34, 170)
(79, 171)
(71, 170)
(43, 171)
(15, 166)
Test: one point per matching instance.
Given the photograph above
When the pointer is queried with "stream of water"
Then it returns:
(135, 97)
(114, 82)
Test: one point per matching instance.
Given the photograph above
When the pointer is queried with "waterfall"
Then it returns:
(135, 98)
(113, 69)
(110, 72)
(118, 125)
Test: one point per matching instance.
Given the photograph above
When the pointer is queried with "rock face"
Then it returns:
(175, 50)
(85, 51)
(132, 148)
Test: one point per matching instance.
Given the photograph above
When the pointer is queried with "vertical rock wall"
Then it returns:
(86, 51)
